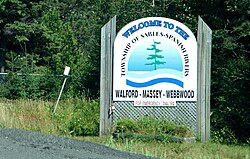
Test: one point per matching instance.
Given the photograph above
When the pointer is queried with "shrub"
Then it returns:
(85, 120)
(126, 125)
(151, 126)
(78, 117)
(148, 125)
(224, 135)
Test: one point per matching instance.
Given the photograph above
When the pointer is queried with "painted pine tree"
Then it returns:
(155, 57)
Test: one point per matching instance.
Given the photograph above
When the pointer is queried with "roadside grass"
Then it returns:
(27, 115)
(148, 128)
(169, 150)
(73, 117)
(78, 119)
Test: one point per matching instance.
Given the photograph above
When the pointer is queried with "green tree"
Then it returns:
(45, 36)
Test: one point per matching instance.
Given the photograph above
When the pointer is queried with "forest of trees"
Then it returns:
(42, 37)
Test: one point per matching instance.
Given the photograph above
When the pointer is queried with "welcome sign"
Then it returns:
(155, 63)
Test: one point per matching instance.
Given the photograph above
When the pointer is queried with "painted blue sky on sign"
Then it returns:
(138, 58)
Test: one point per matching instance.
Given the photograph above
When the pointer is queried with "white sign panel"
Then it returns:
(155, 59)
(66, 71)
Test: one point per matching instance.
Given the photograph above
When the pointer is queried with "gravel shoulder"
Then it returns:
(20, 144)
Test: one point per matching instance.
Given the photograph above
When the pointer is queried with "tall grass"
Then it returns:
(28, 115)
(165, 150)
(73, 117)
(150, 127)
(79, 117)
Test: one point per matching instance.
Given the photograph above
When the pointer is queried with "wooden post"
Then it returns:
(108, 33)
(204, 39)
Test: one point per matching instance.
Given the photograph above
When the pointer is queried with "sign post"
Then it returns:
(65, 73)
(204, 37)
(108, 33)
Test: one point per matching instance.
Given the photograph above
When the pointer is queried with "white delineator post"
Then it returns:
(65, 73)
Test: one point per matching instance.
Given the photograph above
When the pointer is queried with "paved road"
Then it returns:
(20, 144)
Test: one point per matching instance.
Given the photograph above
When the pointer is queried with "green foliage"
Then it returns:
(126, 125)
(16, 86)
(86, 119)
(224, 135)
(12, 88)
(151, 127)
(45, 36)
(230, 97)
(174, 130)
(81, 118)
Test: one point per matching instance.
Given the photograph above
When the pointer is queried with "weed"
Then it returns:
(148, 128)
